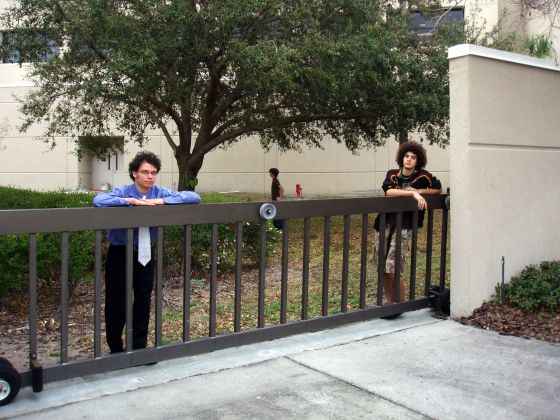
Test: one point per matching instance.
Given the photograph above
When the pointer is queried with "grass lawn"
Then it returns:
(172, 325)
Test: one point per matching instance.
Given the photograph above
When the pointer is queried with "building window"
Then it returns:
(426, 23)
(12, 55)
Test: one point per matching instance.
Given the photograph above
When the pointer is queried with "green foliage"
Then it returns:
(190, 183)
(230, 198)
(475, 31)
(218, 71)
(14, 249)
(103, 147)
(201, 245)
(539, 46)
(537, 288)
(15, 256)
(15, 198)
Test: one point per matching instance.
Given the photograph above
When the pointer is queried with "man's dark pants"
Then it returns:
(115, 299)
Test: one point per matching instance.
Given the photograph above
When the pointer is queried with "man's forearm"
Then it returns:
(429, 191)
(394, 192)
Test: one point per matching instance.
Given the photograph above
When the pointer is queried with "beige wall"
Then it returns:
(331, 171)
(504, 159)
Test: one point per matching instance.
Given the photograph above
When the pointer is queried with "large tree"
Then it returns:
(211, 72)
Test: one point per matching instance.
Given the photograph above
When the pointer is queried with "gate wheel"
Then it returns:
(10, 382)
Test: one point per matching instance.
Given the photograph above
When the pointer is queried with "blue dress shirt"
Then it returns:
(116, 197)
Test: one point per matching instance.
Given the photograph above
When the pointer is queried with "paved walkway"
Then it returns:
(413, 367)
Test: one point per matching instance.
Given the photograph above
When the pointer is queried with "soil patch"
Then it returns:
(508, 320)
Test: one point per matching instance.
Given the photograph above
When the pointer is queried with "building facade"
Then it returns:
(29, 163)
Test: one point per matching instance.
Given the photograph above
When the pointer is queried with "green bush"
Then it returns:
(14, 249)
(537, 288)
(201, 245)
(15, 198)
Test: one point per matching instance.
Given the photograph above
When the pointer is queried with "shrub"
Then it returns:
(14, 249)
(201, 245)
(537, 288)
(15, 198)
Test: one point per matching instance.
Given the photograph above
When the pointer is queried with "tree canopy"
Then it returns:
(211, 72)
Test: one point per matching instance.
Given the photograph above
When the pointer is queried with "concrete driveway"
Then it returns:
(413, 367)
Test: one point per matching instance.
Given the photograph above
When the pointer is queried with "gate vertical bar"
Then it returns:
(129, 290)
(187, 282)
(381, 258)
(238, 270)
(305, 274)
(64, 300)
(284, 278)
(398, 255)
(32, 298)
(97, 296)
(326, 258)
(363, 263)
(345, 264)
(443, 257)
(262, 274)
(413, 256)
(213, 280)
(159, 285)
(429, 241)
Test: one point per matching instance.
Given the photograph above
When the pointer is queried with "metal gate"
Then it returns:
(64, 221)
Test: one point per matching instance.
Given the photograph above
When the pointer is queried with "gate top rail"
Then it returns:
(90, 218)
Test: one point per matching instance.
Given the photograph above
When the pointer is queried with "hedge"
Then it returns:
(14, 248)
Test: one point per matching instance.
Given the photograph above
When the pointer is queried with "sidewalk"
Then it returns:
(413, 367)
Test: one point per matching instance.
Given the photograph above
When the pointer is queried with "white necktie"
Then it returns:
(144, 249)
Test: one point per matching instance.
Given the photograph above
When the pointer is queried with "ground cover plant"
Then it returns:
(528, 306)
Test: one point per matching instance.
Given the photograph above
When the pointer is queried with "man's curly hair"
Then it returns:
(143, 156)
(412, 147)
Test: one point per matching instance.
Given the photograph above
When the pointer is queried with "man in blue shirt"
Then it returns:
(143, 170)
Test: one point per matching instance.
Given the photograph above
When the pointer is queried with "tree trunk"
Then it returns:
(402, 137)
(188, 172)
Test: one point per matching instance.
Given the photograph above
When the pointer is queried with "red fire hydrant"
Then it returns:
(299, 191)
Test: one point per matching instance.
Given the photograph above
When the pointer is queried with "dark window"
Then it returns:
(12, 55)
(426, 23)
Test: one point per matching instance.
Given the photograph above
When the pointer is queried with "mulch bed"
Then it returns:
(508, 320)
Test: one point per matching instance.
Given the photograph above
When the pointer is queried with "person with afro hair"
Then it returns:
(410, 179)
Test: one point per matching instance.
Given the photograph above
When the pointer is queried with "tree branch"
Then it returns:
(167, 109)
(228, 101)
(242, 118)
(216, 141)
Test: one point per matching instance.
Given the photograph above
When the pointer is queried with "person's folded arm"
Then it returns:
(395, 192)
(110, 199)
(179, 197)
(429, 191)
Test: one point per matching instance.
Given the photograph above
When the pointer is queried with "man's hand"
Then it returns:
(422, 205)
(155, 201)
(139, 202)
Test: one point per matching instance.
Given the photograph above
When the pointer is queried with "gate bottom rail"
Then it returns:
(123, 360)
